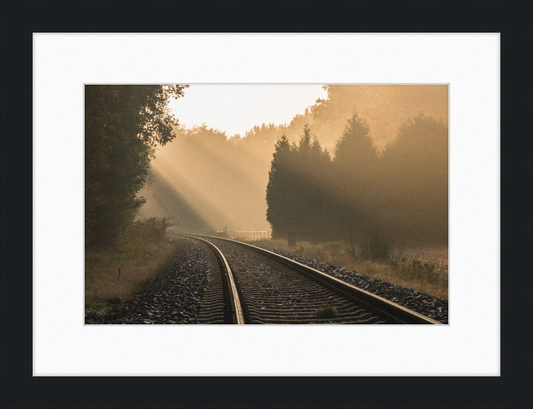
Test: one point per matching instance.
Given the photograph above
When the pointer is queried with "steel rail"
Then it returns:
(399, 312)
(238, 315)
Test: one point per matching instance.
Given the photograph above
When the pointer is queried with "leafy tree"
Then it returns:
(261, 138)
(415, 181)
(123, 126)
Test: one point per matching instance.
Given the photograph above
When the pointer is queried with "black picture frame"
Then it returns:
(512, 19)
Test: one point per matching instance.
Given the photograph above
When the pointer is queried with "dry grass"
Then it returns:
(424, 270)
(438, 256)
(139, 263)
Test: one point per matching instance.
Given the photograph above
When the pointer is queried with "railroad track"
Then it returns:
(256, 286)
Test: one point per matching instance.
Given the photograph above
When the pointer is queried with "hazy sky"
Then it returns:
(236, 108)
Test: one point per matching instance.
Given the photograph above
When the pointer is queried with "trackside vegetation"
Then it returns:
(124, 124)
(422, 269)
(116, 274)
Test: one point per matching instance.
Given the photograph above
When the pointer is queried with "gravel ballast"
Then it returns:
(428, 305)
(174, 297)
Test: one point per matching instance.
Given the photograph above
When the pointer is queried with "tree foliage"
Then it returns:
(280, 196)
(355, 165)
(403, 193)
(123, 126)
(414, 181)
(296, 194)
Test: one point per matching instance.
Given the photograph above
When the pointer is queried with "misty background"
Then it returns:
(365, 158)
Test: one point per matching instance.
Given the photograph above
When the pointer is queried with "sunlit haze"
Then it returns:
(206, 179)
(237, 108)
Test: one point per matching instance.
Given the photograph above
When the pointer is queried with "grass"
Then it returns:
(375, 246)
(102, 280)
(326, 312)
(140, 258)
(422, 269)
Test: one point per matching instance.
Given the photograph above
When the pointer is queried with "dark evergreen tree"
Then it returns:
(296, 198)
(313, 170)
(281, 189)
(302, 192)
(355, 184)
(318, 223)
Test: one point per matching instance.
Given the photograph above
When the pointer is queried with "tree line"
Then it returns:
(401, 191)
(204, 180)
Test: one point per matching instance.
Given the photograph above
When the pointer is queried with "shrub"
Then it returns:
(418, 270)
(153, 229)
(375, 246)
(351, 250)
(329, 311)
(334, 252)
(335, 247)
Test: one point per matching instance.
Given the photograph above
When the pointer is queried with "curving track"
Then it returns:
(256, 286)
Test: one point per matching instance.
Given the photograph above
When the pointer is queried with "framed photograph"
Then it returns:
(481, 52)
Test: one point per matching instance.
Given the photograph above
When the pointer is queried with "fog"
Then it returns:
(203, 180)
(206, 179)
(383, 107)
